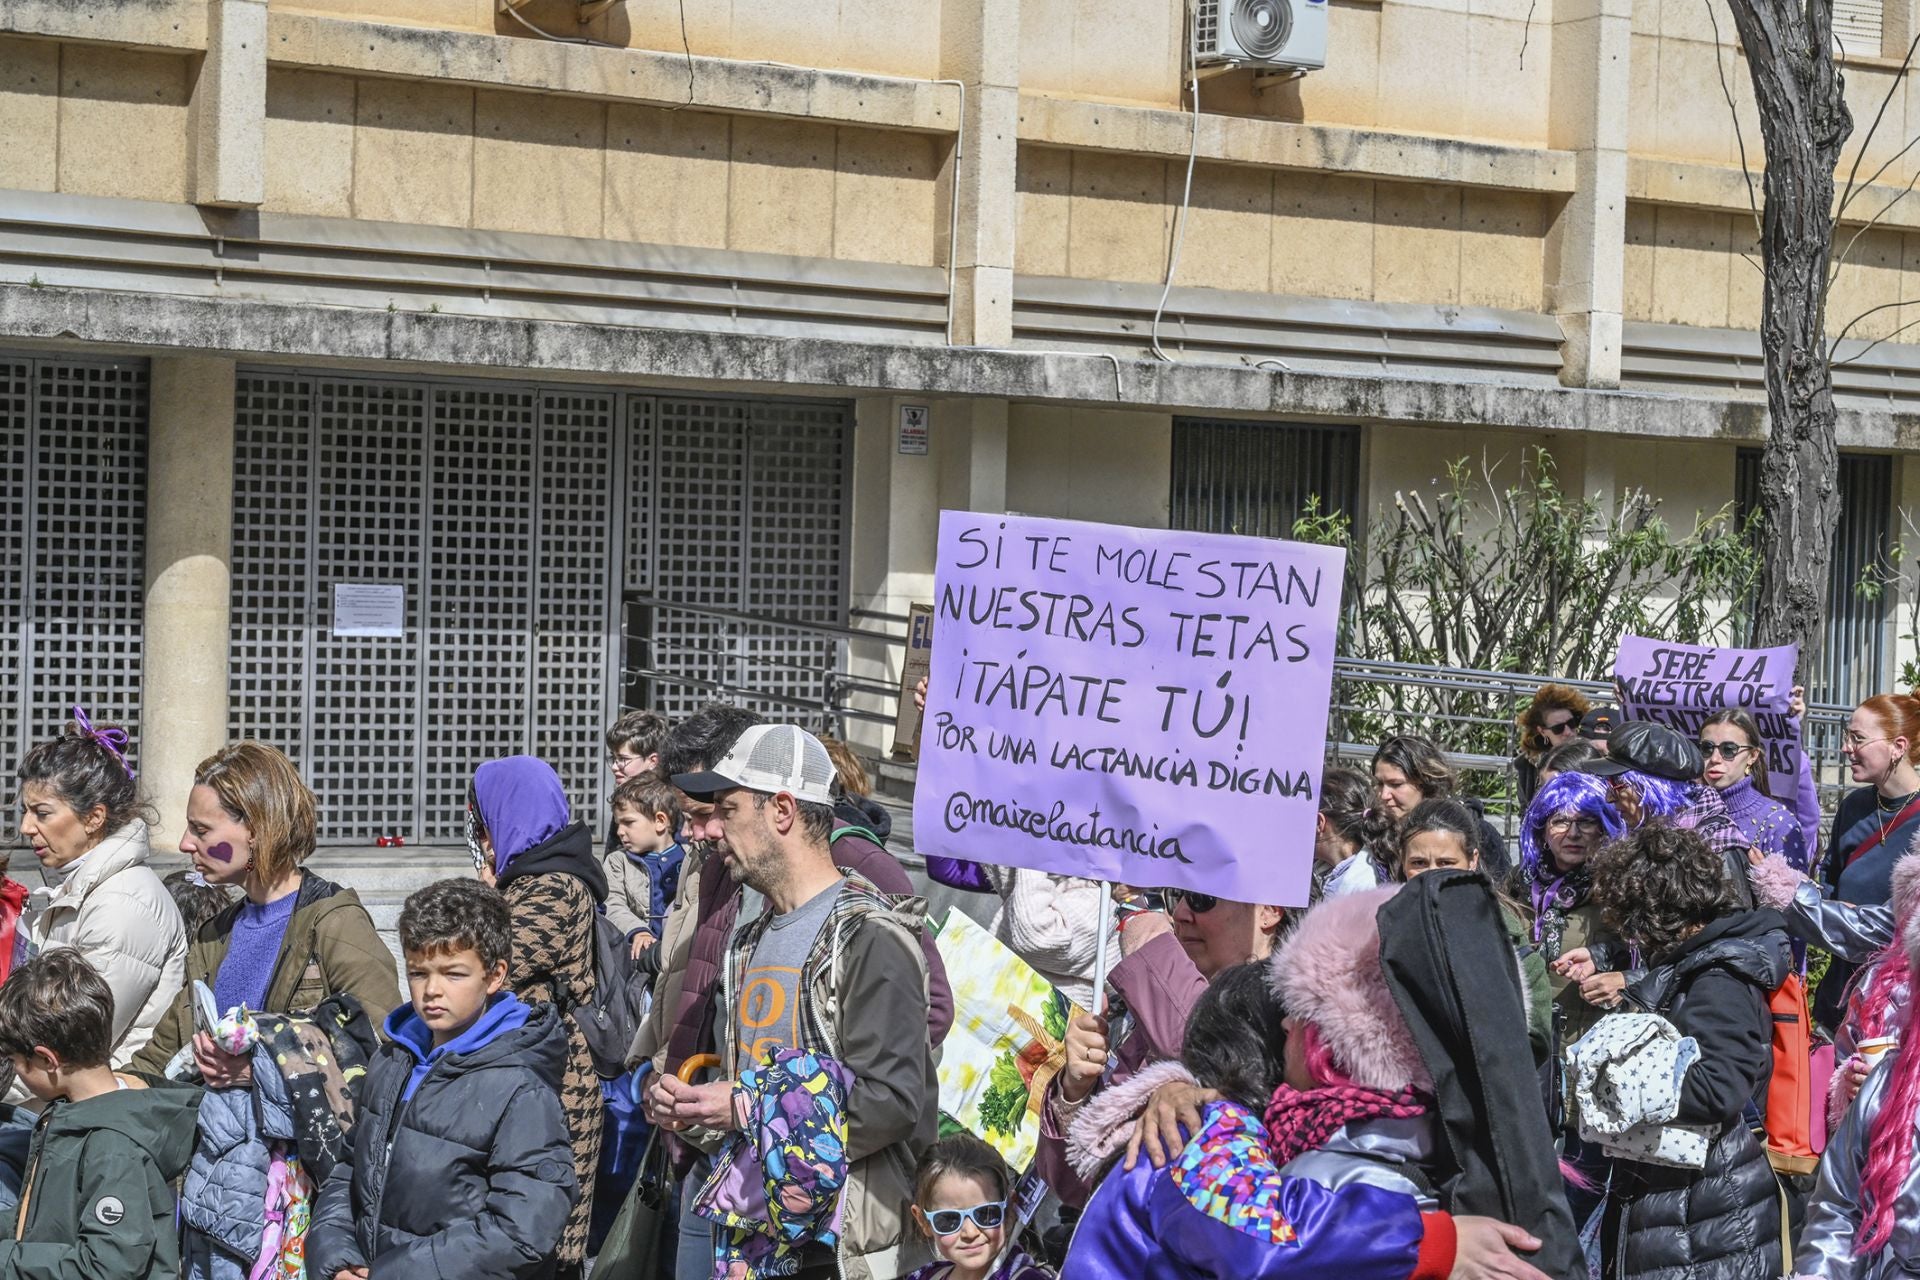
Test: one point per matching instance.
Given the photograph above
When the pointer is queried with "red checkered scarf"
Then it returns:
(1301, 1120)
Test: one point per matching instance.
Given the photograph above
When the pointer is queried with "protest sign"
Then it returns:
(1681, 685)
(1146, 706)
(1007, 1042)
(906, 723)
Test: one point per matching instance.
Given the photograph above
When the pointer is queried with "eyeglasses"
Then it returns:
(947, 1222)
(1563, 726)
(1725, 750)
(621, 762)
(1198, 903)
(1585, 826)
(1854, 741)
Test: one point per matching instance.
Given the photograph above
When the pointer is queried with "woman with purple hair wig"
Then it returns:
(1568, 821)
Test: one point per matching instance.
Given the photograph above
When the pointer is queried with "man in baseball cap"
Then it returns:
(1597, 727)
(832, 967)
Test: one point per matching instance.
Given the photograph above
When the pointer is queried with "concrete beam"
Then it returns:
(150, 24)
(615, 75)
(1099, 126)
(352, 337)
(228, 110)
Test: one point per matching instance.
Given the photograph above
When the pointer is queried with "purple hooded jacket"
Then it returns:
(1221, 1208)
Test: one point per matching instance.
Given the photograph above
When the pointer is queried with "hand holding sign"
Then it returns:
(1125, 704)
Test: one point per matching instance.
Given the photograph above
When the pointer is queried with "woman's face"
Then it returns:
(1869, 750)
(1436, 851)
(1558, 727)
(1396, 793)
(1572, 838)
(57, 833)
(220, 844)
(1225, 933)
(1723, 770)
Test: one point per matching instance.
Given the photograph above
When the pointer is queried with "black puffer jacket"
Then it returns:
(470, 1178)
(1721, 1222)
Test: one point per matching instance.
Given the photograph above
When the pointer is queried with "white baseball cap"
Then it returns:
(769, 758)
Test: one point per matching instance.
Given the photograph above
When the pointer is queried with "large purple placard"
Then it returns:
(1128, 704)
(1683, 684)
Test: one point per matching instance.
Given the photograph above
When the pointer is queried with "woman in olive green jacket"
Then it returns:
(1568, 821)
(293, 939)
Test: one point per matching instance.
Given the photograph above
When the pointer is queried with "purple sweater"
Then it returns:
(1767, 824)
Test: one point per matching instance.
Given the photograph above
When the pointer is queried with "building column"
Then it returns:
(1586, 244)
(981, 49)
(228, 108)
(183, 716)
(971, 442)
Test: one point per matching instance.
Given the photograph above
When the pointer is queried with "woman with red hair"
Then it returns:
(1550, 720)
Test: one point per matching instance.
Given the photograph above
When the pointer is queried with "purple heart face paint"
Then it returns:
(223, 851)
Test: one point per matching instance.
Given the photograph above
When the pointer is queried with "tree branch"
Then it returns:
(1877, 341)
(1841, 336)
(1841, 259)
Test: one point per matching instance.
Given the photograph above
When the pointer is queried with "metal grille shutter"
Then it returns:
(1255, 478)
(575, 600)
(699, 550)
(1857, 26)
(496, 507)
(369, 487)
(74, 437)
(478, 593)
(16, 491)
(269, 650)
(796, 528)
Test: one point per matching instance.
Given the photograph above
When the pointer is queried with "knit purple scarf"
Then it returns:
(1302, 1120)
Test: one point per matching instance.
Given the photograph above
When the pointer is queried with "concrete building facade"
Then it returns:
(590, 326)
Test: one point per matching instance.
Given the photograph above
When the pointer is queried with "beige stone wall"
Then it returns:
(447, 155)
(1701, 267)
(93, 121)
(1089, 464)
(1101, 216)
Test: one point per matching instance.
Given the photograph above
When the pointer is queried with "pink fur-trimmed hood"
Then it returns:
(1906, 905)
(1104, 1124)
(1328, 973)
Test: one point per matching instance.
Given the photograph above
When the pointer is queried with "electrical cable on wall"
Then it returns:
(1186, 194)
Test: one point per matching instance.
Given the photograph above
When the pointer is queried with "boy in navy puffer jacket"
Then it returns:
(461, 1165)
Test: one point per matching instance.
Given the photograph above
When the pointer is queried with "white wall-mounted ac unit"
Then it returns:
(1286, 34)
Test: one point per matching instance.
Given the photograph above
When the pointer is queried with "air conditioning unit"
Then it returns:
(1284, 34)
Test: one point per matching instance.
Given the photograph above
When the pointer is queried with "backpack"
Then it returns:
(1790, 1094)
(611, 1019)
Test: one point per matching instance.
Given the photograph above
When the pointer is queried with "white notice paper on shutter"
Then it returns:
(369, 609)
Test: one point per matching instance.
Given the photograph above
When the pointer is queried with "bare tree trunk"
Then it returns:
(1804, 122)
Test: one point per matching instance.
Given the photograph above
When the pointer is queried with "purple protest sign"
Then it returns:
(1683, 684)
(1128, 704)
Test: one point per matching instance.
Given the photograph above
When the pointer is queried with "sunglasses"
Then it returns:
(1198, 903)
(1563, 726)
(947, 1222)
(1725, 750)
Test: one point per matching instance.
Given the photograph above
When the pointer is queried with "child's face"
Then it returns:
(39, 1074)
(640, 833)
(450, 989)
(971, 1247)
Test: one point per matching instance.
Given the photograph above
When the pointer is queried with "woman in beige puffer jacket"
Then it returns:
(81, 812)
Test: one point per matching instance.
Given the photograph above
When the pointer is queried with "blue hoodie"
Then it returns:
(503, 1013)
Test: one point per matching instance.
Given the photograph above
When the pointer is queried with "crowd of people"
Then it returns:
(703, 1041)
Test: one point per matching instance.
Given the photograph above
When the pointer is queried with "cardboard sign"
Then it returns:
(1682, 685)
(1137, 705)
(906, 721)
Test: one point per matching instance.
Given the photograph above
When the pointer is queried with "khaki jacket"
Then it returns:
(330, 946)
